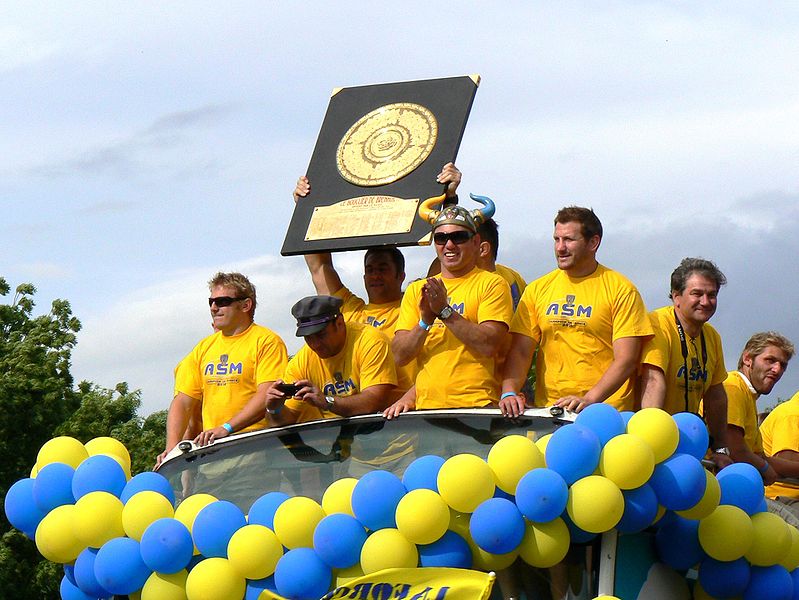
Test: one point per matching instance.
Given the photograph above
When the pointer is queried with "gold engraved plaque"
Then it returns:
(365, 215)
(387, 144)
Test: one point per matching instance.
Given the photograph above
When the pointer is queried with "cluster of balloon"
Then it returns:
(528, 500)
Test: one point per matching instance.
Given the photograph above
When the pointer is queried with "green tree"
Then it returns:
(36, 392)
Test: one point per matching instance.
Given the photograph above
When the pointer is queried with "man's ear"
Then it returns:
(485, 249)
(593, 243)
(747, 359)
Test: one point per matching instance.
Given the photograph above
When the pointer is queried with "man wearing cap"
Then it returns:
(343, 369)
(588, 322)
(228, 372)
(453, 324)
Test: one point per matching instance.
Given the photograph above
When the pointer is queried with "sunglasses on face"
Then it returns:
(457, 237)
(222, 301)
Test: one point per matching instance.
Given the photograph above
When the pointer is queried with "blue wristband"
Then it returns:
(424, 325)
(228, 427)
(764, 468)
(508, 395)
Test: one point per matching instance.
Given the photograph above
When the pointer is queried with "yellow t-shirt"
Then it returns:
(665, 352)
(742, 409)
(382, 317)
(225, 371)
(451, 375)
(364, 361)
(515, 281)
(575, 321)
(780, 431)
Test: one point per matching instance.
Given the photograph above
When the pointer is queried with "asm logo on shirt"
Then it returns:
(458, 308)
(223, 367)
(569, 309)
(374, 322)
(694, 374)
(339, 388)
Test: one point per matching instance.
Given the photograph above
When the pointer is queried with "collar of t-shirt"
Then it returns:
(748, 384)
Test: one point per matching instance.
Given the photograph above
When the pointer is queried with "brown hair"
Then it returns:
(586, 217)
(244, 288)
(757, 345)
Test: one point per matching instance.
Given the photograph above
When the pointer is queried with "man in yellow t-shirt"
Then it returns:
(683, 364)
(780, 435)
(229, 371)
(453, 324)
(588, 321)
(761, 365)
(384, 273)
(343, 369)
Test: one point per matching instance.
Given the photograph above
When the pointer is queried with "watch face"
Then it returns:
(387, 144)
(445, 313)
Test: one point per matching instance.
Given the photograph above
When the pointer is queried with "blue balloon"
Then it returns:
(98, 473)
(724, 579)
(603, 419)
(577, 535)
(500, 493)
(742, 486)
(256, 586)
(677, 543)
(85, 577)
(795, 579)
(694, 438)
(497, 526)
(422, 473)
(573, 451)
(640, 509)
(541, 495)
(375, 498)
(338, 539)
(215, 525)
(21, 511)
(149, 481)
(450, 550)
(300, 573)
(70, 591)
(119, 567)
(262, 511)
(69, 571)
(772, 583)
(679, 482)
(53, 486)
(166, 546)
(626, 415)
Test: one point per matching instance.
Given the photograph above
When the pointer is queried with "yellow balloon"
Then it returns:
(110, 447)
(63, 449)
(771, 541)
(55, 537)
(486, 561)
(34, 471)
(541, 443)
(726, 533)
(344, 576)
(253, 551)
(142, 509)
(595, 504)
(465, 481)
(459, 523)
(338, 497)
(214, 579)
(188, 510)
(295, 521)
(511, 458)
(791, 559)
(708, 502)
(627, 460)
(545, 544)
(658, 429)
(98, 518)
(661, 512)
(160, 586)
(422, 516)
(388, 549)
(606, 598)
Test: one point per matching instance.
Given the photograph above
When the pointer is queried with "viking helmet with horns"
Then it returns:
(457, 215)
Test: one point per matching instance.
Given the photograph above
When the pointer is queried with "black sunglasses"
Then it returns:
(458, 237)
(222, 301)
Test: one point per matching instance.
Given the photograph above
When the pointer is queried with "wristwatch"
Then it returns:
(445, 313)
(331, 401)
(722, 450)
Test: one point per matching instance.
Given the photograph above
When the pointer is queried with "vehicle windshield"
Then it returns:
(303, 460)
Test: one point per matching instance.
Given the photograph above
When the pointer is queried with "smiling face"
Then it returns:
(380, 278)
(697, 302)
(231, 319)
(766, 369)
(457, 259)
(573, 253)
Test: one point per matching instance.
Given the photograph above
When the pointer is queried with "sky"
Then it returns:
(146, 146)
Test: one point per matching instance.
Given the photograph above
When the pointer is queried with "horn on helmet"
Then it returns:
(426, 210)
(481, 215)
